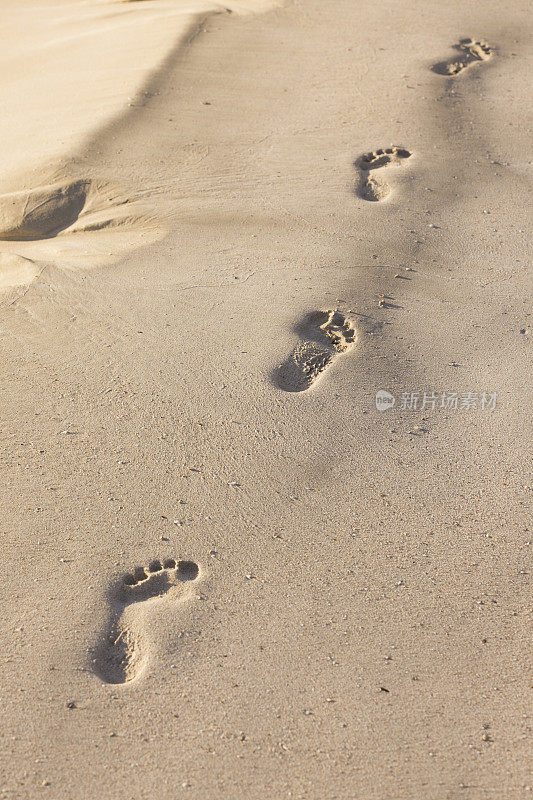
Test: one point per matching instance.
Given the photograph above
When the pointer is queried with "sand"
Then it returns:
(230, 570)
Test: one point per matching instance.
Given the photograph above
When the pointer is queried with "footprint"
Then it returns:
(122, 655)
(372, 188)
(472, 52)
(324, 334)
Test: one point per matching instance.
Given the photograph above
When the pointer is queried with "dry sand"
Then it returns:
(224, 228)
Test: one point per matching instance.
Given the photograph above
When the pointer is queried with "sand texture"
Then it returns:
(265, 324)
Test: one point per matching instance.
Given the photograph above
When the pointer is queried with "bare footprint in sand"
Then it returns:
(325, 334)
(472, 52)
(371, 188)
(123, 654)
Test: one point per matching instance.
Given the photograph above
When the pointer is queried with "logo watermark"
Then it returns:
(384, 400)
(434, 401)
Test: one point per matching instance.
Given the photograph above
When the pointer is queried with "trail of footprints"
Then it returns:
(373, 188)
(327, 334)
(123, 653)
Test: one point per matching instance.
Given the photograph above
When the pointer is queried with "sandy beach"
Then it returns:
(265, 326)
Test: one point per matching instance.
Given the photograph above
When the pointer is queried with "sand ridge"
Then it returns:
(79, 224)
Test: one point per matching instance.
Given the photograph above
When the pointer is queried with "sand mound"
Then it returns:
(42, 212)
(78, 225)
